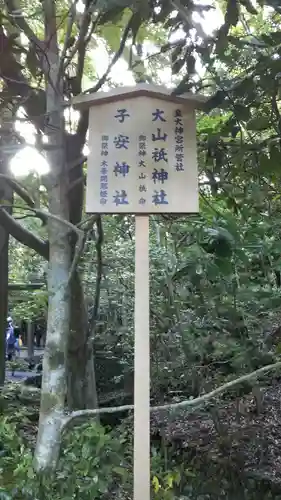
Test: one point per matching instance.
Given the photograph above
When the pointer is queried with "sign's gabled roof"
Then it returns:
(84, 101)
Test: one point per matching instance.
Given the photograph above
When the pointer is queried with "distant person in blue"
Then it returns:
(10, 339)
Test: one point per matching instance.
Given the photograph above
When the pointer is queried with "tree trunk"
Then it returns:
(6, 198)
(54, 365)
(4, 247)
(30, 340)
(81, 393)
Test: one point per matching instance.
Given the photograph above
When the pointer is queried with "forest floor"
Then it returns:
(236, 435)
(226, 438)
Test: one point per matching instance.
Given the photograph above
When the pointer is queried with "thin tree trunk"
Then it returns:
(30, 340)
(6, 197)
(81, 393)
(5, 194)
(54, 365)
(4, 247)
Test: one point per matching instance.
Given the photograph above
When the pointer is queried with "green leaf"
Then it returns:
(189, 473)
(275, 37)
(156, 484)
(231, 19)
(120, 471)
(215, 101)
(219, 242)
(223, 262)
(4, 495)
(242, 112)
(264, 162)
(102, 487)
(113, 15)
(278, 348)
(111, 34)
(259, 123)
(275, 159)
(86, 451)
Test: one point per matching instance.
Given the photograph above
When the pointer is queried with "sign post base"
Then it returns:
(142, 362)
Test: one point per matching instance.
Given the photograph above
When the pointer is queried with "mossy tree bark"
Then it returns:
(81, 383)
(5, 194)
(54, 365)
(6, 199)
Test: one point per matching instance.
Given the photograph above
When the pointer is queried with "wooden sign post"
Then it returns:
(142, 161)
(142, 362)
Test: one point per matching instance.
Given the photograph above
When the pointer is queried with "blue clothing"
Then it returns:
(10, 336)
(17, 345)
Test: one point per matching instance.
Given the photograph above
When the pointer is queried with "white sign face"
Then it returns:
(142, 157)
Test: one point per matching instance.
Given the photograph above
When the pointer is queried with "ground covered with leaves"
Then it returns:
(231, 448)
(236, 441)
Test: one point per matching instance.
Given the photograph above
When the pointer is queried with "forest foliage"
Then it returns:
(215, 276)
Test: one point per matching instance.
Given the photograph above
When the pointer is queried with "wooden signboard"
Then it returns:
(142, 160)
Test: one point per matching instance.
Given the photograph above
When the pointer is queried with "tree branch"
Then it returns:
(30, 240)
(19, 189)
(44, 214)
(99, 243)
(32, 101)
(276, 112)
(85, 35)
(70, 22)
(81, 38)
(190, 403)
(17, 19)
(186, 16)
(81, 235)
(115, 58)
(81, 245)
(23, 235)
